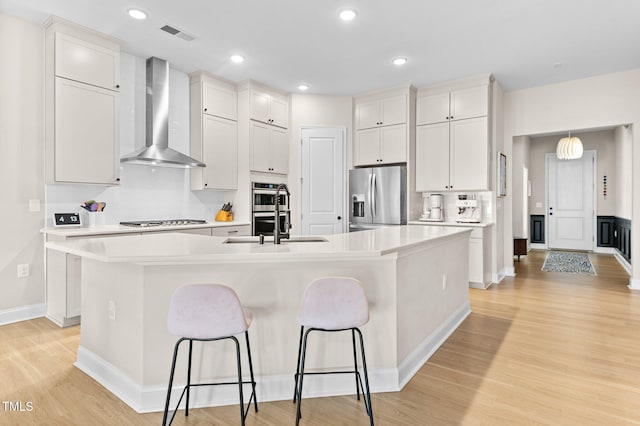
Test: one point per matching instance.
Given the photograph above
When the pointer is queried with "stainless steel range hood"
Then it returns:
(157, 151)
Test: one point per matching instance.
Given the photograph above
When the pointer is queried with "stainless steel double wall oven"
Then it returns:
(263, 202)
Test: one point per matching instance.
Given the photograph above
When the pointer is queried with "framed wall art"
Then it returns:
(502, 175)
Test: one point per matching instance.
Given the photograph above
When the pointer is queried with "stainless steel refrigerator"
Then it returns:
(377, 197)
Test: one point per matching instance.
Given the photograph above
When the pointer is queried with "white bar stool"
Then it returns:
(333, 304)
(206, 312)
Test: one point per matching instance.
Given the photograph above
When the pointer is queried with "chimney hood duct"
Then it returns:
(157, 151)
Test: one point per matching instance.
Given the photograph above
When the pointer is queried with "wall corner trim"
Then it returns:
(634, 284)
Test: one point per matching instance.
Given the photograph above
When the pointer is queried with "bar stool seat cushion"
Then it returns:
(334, 303)
(206, 311)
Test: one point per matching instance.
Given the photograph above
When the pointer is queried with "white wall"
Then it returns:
(520, 199)
(602, 142)
(22, 153)
(622, 186)
(314, 111)
(596, 102)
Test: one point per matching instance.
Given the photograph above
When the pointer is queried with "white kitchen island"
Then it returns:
(415, 279)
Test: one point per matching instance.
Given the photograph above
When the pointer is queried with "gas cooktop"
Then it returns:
(170, 222)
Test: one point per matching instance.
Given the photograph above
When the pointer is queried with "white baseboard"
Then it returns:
(509, 271)
(623, 262)
(634, 284)
(537, 246)
(419, 356)
(605, 250)
(497, 278)
(145, 399)
(22, 313)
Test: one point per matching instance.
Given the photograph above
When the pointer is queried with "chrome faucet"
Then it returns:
(277, 233)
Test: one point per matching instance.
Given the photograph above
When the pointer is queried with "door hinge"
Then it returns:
(301, 180)
(300, 141)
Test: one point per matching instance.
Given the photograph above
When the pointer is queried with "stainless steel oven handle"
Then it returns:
(265, 191)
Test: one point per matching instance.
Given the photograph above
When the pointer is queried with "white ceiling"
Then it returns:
(287, 42)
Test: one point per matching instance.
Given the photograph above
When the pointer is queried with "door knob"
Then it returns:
(339, 217)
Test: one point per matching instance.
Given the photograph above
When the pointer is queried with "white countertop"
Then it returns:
(465, 225)
(172, 248)
(119, 229)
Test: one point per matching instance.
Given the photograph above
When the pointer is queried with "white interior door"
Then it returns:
(322, 181)
(570, 205)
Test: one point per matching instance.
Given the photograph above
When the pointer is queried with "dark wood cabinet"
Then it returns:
(537, 229)
(519, 247)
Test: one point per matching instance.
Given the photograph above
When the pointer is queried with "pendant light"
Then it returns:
(569, 148)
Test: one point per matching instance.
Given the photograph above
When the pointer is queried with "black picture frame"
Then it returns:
(502, 175)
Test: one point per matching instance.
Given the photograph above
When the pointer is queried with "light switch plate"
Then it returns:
(538, 205)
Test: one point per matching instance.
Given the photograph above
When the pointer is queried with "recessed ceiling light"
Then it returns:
(303, 87)
(137, 14)
(237, 58)
(399, 61)
(347, 14)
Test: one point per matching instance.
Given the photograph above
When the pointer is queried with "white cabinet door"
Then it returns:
(219, 101)
(432, 157)
(432, 109)
(89, 63)
(469, 103)
(469, 155)
(87, 136)
(259, 106)
(279, 112)
(260, 147)
(367, 114)
(393, 111)
(220, 153)
(367, 147)
(279, 150)
(393, 144)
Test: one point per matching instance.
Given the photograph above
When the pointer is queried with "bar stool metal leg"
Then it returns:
(301, 376)
(253, 381)
(173, 369)
(186, 407)
(297, 375)
(368, 406)
(355, 363)
(239, 379)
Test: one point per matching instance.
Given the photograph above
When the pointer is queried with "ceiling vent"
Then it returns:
(176, 32)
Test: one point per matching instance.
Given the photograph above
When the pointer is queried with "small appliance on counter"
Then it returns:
(469, 210)
(432, 210)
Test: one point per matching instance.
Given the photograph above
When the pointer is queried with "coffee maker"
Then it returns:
(469, 210)
(432, 208)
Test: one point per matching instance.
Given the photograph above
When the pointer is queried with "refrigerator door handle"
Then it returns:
(370, 194)
(374, 190)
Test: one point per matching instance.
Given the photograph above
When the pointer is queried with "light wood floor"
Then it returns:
(540, 348)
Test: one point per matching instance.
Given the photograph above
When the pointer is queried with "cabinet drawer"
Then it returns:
(226, 231)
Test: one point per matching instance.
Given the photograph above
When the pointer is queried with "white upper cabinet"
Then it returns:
(381, 112)
(82, 105)
(213, 132)
(453, 138)
(90, 63)
(269, 108)
(219, 101)
(453, 105)
(269, 149)
(382, 127)
(87, 124)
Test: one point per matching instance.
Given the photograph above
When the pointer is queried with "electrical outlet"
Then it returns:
(23, 270)
(112, 310)
(444, 281)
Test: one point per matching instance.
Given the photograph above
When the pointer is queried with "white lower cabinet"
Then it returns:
(479, 255)
(231, 231)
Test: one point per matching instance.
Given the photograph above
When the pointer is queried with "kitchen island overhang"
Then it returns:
(415, 279)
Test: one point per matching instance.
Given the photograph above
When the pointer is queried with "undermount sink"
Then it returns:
(269, 240)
